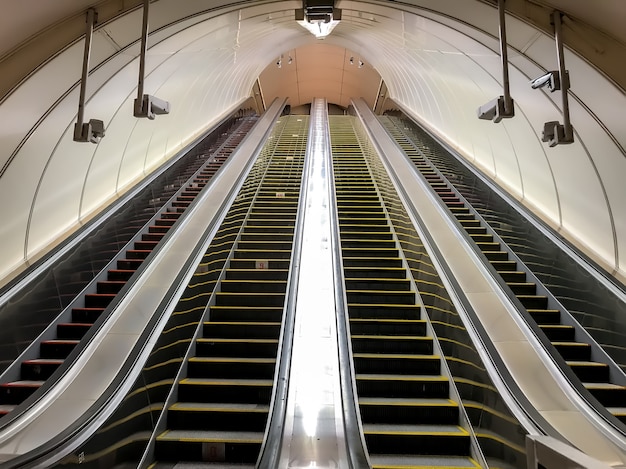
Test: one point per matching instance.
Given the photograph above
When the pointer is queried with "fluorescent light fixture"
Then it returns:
(319, 17)
(319, 29)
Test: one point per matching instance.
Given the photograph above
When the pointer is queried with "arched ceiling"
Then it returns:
(438, 58)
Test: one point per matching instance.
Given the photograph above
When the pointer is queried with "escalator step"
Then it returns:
(409, 411)
(367, 261)
(506, 266)
(383, 297)
(158, 229)
(381, 284)
(98, 300)
(253, 286)
(245, 299)
(120, 275)
(374, 252)
(72, 330)
(270, 264)
(619, 413)
(392, 344)
(557, 332)
(351, 230)
(590, 372)
(377, 311)
(39, 369)
(86, 315)
(499, 256)
(253, 391)
(374, 272)
(247, 330)
(366, 236)
(510, 276)
(545, 316)
(246, 314)
(261, 254)
(368, 244)
(264, 245)
(228, 367)
(129, 264)
(234, 447)
(523, 288)
(609, 395)
(392, 461)
(137, 253)
(217, 416)
(257, 274)
(484, 246)
(573, 350)
(213, 347)
(387, 327)
(157, 237)
(403, 364)
(146, 245)
(533, 301)
(445, 440)
(110, 286)
(16, 392)
(57, 348)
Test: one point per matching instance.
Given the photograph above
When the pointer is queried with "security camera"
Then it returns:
(150, 106)
(555, 134)
(92, 131)
(495, 110)
(550, 79)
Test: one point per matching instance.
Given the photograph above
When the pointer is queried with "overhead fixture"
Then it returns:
(550, 79)
(503, 106)
(319, 17)
(290, 60)
(351, 60)
(361, 63)
(554, 133)
(91, 131)
(279, 62)
(146, 105)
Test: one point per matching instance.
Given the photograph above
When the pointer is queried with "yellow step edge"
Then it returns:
(233, 410)
(461, 432)
(240, 323)
(399, 321)
(163, 436)
(253, 341)
(410, 466)
(449, 403)
(397, 355)
(231, 360)
(243, 382)
(392, 337)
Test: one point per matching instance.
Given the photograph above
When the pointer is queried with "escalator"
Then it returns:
(595, 371)
(221, 408)
(409, 415)
(42, 359)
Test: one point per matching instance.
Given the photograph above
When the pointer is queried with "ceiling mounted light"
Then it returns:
(351, 60)
(319, 17)
(279, 62)
(361, 63)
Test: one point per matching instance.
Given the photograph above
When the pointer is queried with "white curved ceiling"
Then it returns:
(205, 63)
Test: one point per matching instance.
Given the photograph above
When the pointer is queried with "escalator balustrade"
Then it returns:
(53, 352)
(577, 354)
(408, 417)
(222, 407)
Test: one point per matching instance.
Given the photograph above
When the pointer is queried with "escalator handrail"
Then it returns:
(358, 456)
(79, 431)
